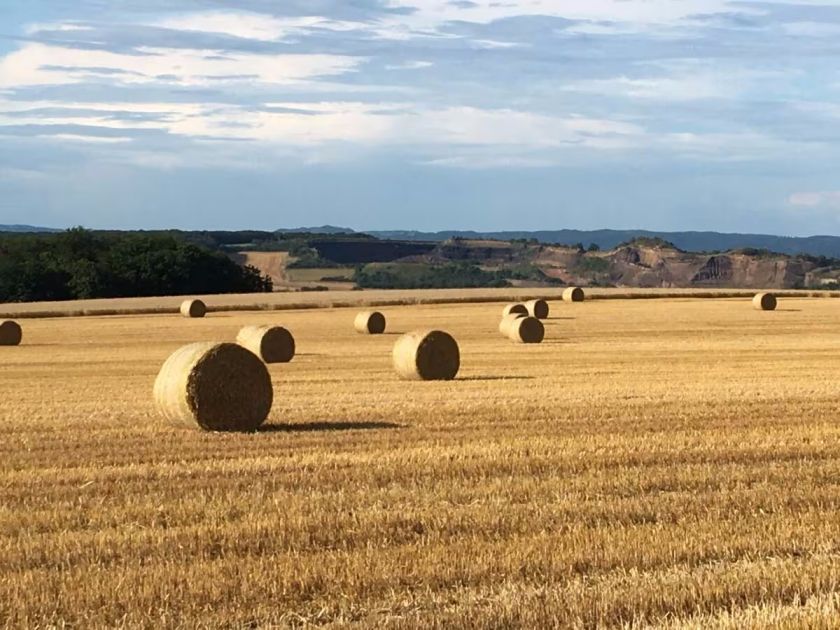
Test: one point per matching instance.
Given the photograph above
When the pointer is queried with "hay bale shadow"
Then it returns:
(312, 427)
(496, 378)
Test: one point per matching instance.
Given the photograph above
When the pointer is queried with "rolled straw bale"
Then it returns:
(573, 294)
(10, 333)
(427, 355)
(510, 309)
(508, 320)
(537, 308)
(526, 330)
(370, 323)
(273, 344)
(214, 386)
(764, 301)
(193, 308)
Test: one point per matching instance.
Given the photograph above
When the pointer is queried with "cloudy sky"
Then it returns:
(421, 114)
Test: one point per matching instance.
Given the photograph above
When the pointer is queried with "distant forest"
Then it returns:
(79, 264)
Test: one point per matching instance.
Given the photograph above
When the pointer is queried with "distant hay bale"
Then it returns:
(537, 308)
(573, 294)
(214, 386)
(193, 308)
(427, 355)
(508, 320)
(370, 323)
(510, 309)
(273, 344)
(526, 330)
(10, 333)
(764, 301)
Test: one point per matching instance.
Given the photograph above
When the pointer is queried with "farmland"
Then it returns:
(654, 463)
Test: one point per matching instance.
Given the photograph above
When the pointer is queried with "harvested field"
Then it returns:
(665, 463)
(271, 264)
(317, 275)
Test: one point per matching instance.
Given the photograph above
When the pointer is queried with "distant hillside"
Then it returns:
(324, 229)
(26, 229)
(609, 239)
(643, 262)
(307, 260)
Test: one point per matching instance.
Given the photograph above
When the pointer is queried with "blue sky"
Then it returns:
(421, 114)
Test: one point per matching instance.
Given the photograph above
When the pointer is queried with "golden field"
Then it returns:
(654, 463)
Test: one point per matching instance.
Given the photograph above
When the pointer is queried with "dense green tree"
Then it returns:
(80, 264)
(422, 276)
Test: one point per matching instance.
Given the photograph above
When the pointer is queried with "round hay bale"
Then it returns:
(764, 301)
(214, 386)
(537, 308)
(573, 294)
(193, 308)
(273, 344)
(508, 320)
(510, 309)
(526, 330)
(10, 333)
(370, 323)
(427, 355)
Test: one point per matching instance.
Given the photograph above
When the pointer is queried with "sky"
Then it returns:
(421, 114)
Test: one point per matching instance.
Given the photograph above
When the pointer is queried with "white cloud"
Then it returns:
(64, 27)
(600, 28)
(731, 147)
(410, 65)
(75, 137)
(432, 120)
(481, 162)
(491, 44)
(818, 108)
(688, 80)
(256, 26)
(491, 137)
(39, 64)
(20, 175)
(433, 13)
(825, 200)
(320, 123)
(812, 29)
(406, 124)
(686, 88)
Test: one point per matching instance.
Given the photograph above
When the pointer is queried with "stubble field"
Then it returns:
(654, 463)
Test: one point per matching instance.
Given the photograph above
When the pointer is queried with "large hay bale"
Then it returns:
(510, 309)
(507, 322)
(214, 386)
(537, 308)
(526, 330)
(193, 308)
(370, 323)
(10, 333)
(427, 355)
(573, 294)
(273, 344)
(764, 301)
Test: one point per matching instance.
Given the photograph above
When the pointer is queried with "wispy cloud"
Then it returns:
(256, 26)
(36, 64)
(409, 65)
(721, 86)
(823, 200)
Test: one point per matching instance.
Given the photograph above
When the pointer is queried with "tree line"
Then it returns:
(80, 264)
